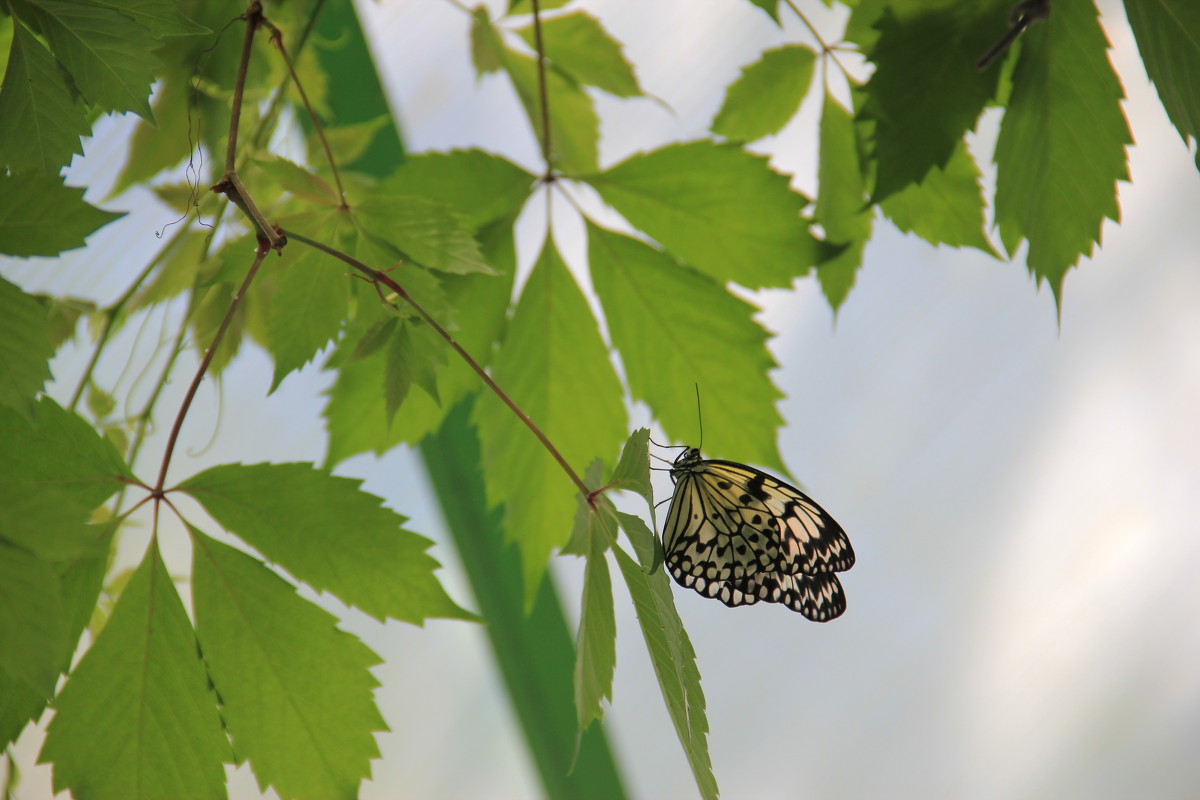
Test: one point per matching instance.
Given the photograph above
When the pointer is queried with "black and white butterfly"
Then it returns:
(740, 535)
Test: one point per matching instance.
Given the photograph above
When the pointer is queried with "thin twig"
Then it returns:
(376, 277)
(544, 99)
(259, 254)
(253, 17)
(1025, 13)
(277, 40)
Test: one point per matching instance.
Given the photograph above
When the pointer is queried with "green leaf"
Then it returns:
(144, 685)
(299, 181)
(40, 119)
(54, 470)
(414, 356)
(925, 93)
(675, 329)
(633, 470)
(357, 416)
(328, 533)
(25, 347)
(842, 208)
(577, 44)
(296, 692)
(645, 542)
(108, 54)
(32, 623)
(311, 299)
(20, 704)
(767, 95)
(162, 18)
(769, 6)
(526, 6)
(1061, 148)
(486, 45)
(1165, 31)
(947, 207)
(720, 209)
(423, 231)
(556, 368)
(596, 648)
(481, 186)
(80, 581)
(41, 217)
(674, 663)
(574, 126)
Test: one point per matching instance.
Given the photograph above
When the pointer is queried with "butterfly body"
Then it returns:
(739, 535)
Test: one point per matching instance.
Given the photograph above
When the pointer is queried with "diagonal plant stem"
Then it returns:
(543, 92)
(376, 277)
(259, 255)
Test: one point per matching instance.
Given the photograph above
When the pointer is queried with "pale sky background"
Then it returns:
(1024, 619)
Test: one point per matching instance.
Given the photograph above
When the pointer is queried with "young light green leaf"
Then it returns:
(925, 93)
(32, 624)
(424, 231)
(585, 514)
(577, 44)
(633, 470)
(481, 186)
(596, 648)
(767, 95)
(41, 217)
(674, 663)
(328, 533)
(296, 692)
(556, 368)
(676, 328)
(356, 414)
(299, 181)
(946, 207)
(1166, 36)
(109, 55)
(842, 208)
(574, 126)
(311, 299)
(412, 357)
(1061, 148)
(40, 120)
(25, 347)
(720, 209)
(143, 683)
(485, 43)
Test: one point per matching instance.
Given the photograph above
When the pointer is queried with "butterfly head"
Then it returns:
(684, 462)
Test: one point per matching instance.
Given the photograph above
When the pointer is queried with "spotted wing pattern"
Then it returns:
(739, 535)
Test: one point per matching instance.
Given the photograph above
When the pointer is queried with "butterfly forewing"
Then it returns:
(739, 535)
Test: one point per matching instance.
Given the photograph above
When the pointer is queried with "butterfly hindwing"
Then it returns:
(739, 535)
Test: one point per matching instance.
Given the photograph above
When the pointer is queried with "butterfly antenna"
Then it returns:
(700, 419)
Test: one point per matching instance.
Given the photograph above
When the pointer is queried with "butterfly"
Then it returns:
(739, 535)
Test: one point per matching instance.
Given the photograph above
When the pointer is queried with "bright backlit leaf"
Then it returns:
(720, 209)
(296, 692)
(328, 533)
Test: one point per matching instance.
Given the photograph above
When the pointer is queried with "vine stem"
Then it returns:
(376, 277)
(543, 93)
(259, 254)
(253, 18)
